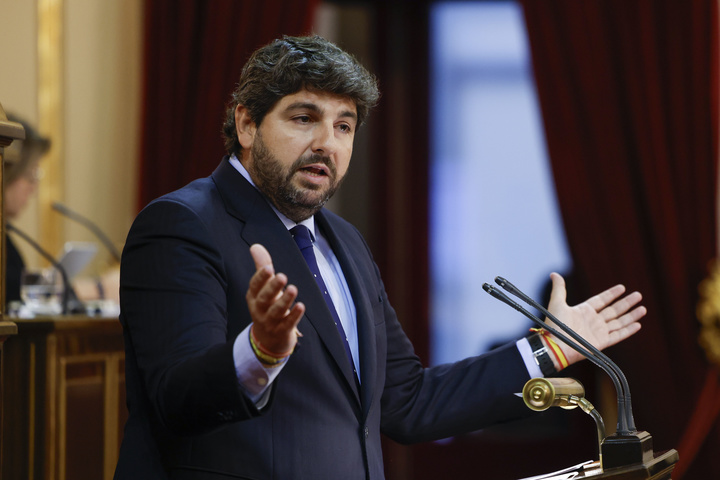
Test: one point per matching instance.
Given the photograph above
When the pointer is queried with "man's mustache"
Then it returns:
(314, 159)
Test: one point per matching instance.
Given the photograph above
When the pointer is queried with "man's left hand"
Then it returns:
(603, 320)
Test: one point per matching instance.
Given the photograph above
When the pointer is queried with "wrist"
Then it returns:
(541, 354)
(265, 356)
(557, 356)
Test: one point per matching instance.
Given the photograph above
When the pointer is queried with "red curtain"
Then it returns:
(194, 51)
(399, 200)
(400, 139)
(628, 91)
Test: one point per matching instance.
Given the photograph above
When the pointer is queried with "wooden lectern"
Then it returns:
(9, 132)
(657, 468)
(623, 456)
(65, 398)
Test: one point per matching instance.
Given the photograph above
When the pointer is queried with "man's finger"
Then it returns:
(558, 293)
(261, 257)
(258, 281)
(602, 300)
(271, 291)
(621, 306)
(283, 301)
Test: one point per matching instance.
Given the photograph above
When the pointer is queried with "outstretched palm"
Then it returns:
(603, 320)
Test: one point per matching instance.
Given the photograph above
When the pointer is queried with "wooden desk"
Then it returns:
(64, 398)
(7, 329)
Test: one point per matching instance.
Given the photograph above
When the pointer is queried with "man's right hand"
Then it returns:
(272, 305)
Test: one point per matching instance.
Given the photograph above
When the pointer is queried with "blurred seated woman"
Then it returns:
(21, 163)
(20, 178)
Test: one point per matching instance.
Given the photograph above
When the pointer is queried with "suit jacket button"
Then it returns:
(367, 432)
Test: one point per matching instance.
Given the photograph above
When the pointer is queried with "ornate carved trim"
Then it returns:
(708, 313)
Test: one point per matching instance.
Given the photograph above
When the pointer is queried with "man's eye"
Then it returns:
(345, 128)
(302, 119)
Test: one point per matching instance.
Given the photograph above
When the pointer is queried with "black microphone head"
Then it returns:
(501, 281)
(497, 293)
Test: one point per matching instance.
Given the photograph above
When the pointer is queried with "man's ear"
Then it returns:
(245, 127)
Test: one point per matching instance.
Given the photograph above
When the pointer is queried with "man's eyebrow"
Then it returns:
(315, 108)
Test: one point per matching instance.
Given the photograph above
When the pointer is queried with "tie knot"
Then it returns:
(301, 235)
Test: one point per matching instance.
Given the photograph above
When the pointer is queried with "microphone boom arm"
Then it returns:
(598, 361)
(68, 292)
(624, 392)
(90, 226)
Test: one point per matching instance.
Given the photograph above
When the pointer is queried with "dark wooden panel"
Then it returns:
(66, 391)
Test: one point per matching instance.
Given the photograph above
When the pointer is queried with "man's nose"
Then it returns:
(325, 142)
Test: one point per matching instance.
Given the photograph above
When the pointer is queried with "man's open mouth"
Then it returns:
(315, 170)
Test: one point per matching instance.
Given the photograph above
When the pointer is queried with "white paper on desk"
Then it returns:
(564, 474)
(76, 255)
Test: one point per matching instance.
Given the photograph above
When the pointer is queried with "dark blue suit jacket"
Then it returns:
(185, 270)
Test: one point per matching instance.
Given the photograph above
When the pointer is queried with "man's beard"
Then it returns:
(276, 182)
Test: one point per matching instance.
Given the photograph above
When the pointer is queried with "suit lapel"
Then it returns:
(363, 310)
(261, 225)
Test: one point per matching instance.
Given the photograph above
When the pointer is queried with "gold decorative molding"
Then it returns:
(51, 113)
(708, 312)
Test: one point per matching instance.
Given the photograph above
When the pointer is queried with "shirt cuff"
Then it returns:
(526, 353)
(252, 375)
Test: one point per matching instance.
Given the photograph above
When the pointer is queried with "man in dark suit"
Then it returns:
(251, 354)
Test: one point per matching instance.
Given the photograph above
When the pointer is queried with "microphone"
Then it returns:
(598, 360)
(90, 225)
(624, 392)
(70, 302)
(627, 446)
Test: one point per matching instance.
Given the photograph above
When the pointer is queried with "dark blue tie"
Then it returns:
(301, 234)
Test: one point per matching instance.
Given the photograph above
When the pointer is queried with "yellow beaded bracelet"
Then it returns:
(264, 358)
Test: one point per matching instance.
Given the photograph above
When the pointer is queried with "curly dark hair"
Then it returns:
(290, 64)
